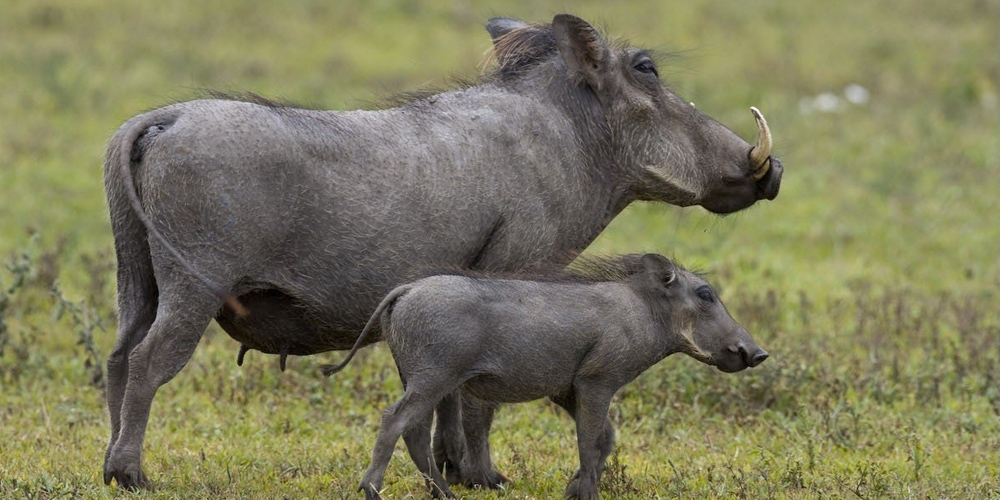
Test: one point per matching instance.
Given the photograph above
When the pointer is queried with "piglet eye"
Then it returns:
(646, 66)
(705, 293)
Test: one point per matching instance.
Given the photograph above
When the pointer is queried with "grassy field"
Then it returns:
(872, 280)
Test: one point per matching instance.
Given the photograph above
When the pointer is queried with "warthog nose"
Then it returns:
(757, 358)
(751, 360)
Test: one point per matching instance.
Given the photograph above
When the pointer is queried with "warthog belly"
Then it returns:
(281, 324)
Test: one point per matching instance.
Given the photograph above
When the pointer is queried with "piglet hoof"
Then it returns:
(438, 487)
(370, 492)
(583, 491)
(441, 492)
(131, 479)
(124, 468)
(491, 479)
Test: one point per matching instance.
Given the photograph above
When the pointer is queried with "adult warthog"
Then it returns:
(310, 217)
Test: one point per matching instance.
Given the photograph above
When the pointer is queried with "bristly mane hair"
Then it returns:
(514, 53)
(615, 267)
(600, 268)
(585, 269)
(243, 96)
(521, 48)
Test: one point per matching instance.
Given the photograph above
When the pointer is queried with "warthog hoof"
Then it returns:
(441, 493)
(453, 474)
(491, 479)
(370, 492)
(129, 477)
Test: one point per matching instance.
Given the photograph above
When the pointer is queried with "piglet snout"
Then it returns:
(752, 356)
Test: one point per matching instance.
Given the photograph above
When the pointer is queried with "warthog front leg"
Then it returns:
(180, 322)
(592, 436)
(606, 444)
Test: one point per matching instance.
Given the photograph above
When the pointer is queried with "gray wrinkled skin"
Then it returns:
(310, 217)
(510, 340)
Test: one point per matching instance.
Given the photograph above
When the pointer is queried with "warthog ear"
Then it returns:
(500, 26)
(659, 269)
(581, 46)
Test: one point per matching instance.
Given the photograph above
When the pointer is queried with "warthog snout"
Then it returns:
(742, 355)
(754, 359)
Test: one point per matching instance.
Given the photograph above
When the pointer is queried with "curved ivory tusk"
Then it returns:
(760, 155)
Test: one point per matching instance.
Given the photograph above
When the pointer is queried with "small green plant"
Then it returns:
(86, 321)
(870, 480)
(21, 272)
(616, 481)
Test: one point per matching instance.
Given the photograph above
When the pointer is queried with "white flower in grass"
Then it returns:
(856, 94)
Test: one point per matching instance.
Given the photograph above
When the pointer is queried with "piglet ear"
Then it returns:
(581, 46)
(500, 26)
(659, 269)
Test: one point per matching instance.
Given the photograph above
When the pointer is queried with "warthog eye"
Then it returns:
(705, 293)
(646, 66)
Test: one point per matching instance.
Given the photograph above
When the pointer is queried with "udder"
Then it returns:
(280, 324)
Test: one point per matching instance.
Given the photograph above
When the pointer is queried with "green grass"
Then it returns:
(872, 279)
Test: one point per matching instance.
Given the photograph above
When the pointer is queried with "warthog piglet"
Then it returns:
(575, 339)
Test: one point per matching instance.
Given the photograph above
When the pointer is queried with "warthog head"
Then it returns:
(695, 314)
(670, 150)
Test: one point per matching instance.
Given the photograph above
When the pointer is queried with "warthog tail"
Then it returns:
(389, 299)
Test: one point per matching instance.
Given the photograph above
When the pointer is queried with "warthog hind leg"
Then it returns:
(181, 317)
(416, 406)
(449, 440)
(476, 467)
(418, 444)
(135, 318)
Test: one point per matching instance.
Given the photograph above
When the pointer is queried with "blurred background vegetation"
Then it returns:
(872, 279)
